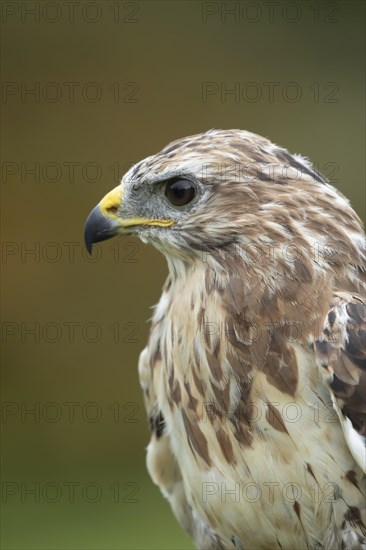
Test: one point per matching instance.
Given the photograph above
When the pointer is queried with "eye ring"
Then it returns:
(180, 191)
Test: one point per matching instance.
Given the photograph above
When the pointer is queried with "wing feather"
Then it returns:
(341, 352)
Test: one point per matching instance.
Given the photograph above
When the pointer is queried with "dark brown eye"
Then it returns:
(180, 192)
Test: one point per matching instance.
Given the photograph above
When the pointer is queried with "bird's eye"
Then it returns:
(180, 191)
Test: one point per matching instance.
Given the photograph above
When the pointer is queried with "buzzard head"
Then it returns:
(225, 194)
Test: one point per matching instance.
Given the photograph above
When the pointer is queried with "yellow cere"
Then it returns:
(110, 204)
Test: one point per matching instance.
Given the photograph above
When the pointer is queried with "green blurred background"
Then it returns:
(138, 72)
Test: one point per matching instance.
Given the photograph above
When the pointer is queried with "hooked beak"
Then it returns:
(104, 222)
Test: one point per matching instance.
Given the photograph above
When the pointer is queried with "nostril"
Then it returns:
(112, 210)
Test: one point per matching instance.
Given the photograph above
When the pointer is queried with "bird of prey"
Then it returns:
(254, 373)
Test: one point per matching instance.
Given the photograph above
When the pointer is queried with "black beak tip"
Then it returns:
(98, 228)
(89, 247)
(89, 232)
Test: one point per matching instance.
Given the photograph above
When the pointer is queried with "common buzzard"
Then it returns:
(254, 374)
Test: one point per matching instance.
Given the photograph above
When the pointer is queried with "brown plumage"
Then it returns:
(254, 374)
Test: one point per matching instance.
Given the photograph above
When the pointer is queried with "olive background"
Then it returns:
(83, 450)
